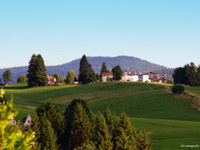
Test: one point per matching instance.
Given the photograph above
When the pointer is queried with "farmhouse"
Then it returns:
(157, 77)
(106, 75)
(52, 80)
(129, 76)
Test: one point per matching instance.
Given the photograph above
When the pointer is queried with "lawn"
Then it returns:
(169, 119)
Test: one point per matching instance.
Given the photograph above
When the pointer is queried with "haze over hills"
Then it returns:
(127, 63)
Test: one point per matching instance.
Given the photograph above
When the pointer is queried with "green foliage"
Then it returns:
(78, 123)
(11, 137)
(90, 146)
(188, 75)
(48, 137)
(104, 68)
(103, 136)
(178, 89)
(54, 116)
(124, 136)
(143, 142)
(58, 77)
(98, 77)
(198, 76)
(22, 78)
(117, 72)
(70, 77)
(36, 71)
(86, 73)
(170, 81)
(7, 76)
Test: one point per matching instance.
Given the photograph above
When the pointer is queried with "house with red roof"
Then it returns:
(106, 76)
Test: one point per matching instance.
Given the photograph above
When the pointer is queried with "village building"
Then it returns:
(157, 77)
(52, 80)
(106, 76)
(129, 76)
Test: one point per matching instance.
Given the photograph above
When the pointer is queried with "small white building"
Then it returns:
(129, 76)
(144, 78)
(51, 80)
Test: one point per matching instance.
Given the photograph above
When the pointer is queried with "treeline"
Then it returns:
(80, 129)
(189, 75)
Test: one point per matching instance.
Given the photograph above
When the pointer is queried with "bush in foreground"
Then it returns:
(178, 89)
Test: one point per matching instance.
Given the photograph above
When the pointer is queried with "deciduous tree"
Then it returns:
(22, 78)
(117, 72)
(7, 76)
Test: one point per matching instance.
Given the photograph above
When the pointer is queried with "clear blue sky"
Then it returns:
(165, 32)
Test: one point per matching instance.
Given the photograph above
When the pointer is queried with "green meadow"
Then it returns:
(168, 120)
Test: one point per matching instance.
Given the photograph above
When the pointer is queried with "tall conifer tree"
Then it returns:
(103, 136)
(198, 76)
(86, 73)
(48, 137)
(41, 71)
(104, 68)
(32, 69)
(124, 137)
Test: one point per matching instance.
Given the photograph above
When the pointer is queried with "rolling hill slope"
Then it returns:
(169, 121)
(127, 64)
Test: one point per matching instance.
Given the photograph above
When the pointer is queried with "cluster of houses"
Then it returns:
(143, 77)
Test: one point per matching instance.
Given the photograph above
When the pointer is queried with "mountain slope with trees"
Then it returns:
(127, 63)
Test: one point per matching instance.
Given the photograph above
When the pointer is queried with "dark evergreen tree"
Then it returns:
(87, 119)
(41, 71)
(32, 69)
(48, 137)
(54, 116)
(192, 74)
(104, 68)
(86, 73)
(186, 74)
(124, 136)
(35, 126)
(198, 76)
(36, 71)
(103, 136)
(179, 76)
(117, 72)
(111, 121)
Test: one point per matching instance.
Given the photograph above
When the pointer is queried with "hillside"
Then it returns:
(127, 63)
(169, 120)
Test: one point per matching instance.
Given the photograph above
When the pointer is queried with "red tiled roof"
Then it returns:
(107, 74)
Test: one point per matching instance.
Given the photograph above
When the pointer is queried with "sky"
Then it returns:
(165, 32)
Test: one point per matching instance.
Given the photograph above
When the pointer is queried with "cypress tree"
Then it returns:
(41, 71)
(187, 74)
(86, 73)
(48, 136)
(124, 136)
(198, 76)
(104, 68)
(103, 137)
(32, 71)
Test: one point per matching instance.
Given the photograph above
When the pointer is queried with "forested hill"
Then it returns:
(127, 63)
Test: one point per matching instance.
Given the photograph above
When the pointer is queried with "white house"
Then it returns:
(129, 76)
(28, 121)
(144, 78)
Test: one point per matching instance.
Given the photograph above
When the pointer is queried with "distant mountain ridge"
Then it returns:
(127, 63)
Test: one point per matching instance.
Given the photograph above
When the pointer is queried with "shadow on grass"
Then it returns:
(16, 87)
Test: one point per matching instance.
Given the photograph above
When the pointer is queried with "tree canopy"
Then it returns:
(22, 78)
(70, 77)
(117, 72)
(104, 68)
(58, 77)
(36, 71)
(7, 76)
(86, 73)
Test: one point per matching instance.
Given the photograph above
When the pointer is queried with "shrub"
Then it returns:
(178, 89)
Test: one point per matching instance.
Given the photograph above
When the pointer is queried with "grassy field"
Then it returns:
(169, 120)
